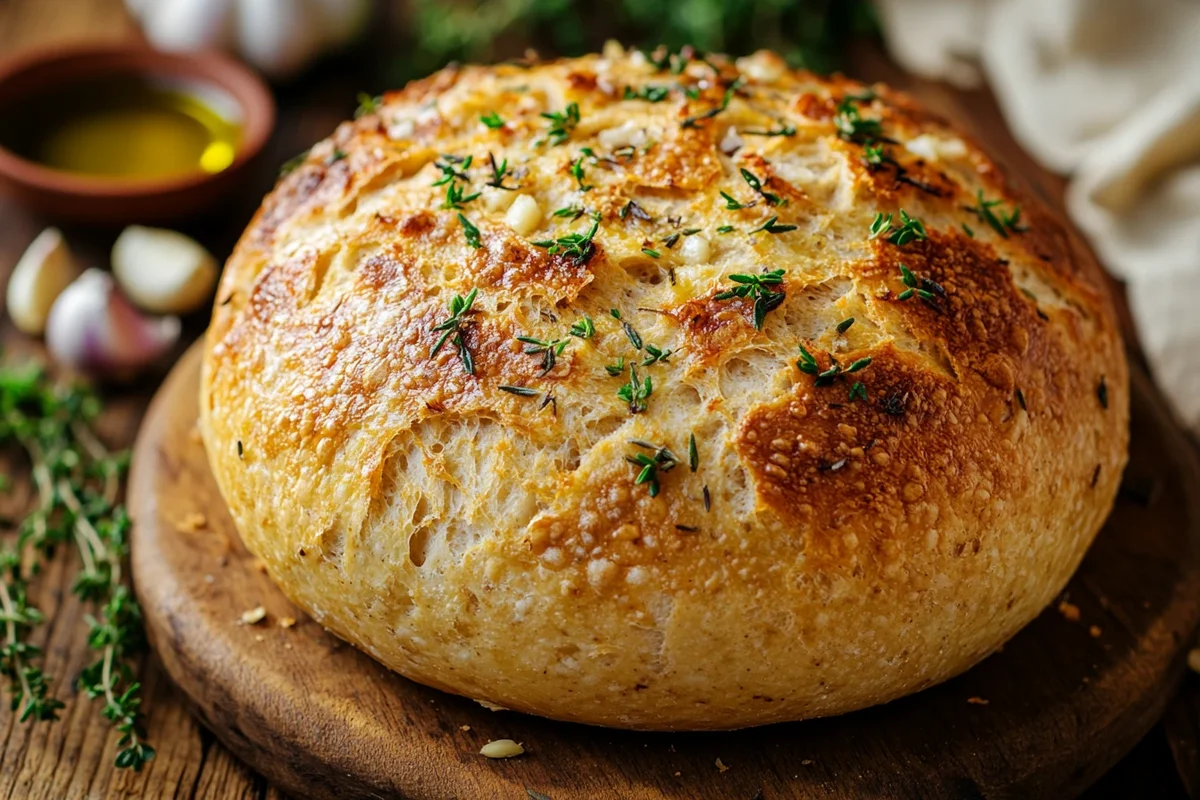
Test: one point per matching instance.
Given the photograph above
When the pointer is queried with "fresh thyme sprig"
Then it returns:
(549, 351)
(849, 121)
(562, 123)
(757, 185)
(825, 377)
(783, 130)
(663, 459)
(584, 328)
(470, 231)
(766, 299)
(455, 197)
(656, 354)
(576, 245)
(924, 288)
(452, 328)
(1004, 223)
(691, 122)
(574, 212)
(908, 230)
(651, 94)
(665, 58)
(499, 172)
(773, 225)
(77, 481)
(492, 120)
(733, 204)
(367, 104)
(453, 168)
(636, 392)
(577, 172)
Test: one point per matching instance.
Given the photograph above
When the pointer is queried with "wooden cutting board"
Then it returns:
(1059, 705)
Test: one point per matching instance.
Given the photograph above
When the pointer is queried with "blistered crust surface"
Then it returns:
(841, 541)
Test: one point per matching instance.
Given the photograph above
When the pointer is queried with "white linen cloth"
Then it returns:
(1107, 91)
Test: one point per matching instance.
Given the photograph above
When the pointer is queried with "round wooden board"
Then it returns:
(1064, 700)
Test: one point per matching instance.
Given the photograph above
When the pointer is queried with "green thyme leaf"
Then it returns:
(577, 246)
(772, 226)
(367, 104)
(634, 338)
(651, 94)
(782, 130)
(655, 354)
(452, 329)
(470, 232)
(692, 122)
(562, 123)
(499, 171)
(584, 328)
(636, 392)
(578, 173)
(1004, 223)
(850, 124)
(759, 286)
(757, 186)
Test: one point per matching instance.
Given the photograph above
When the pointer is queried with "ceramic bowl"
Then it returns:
(70, 196)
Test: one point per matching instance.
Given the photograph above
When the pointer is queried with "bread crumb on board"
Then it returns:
(253, 616)
(1070, 611)
(286, 622)
(977, 701)
(721, 766)
(1094, 631)
(502, 748)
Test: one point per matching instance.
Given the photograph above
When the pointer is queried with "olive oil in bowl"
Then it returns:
(127, 128)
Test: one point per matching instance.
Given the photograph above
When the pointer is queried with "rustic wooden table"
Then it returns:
(73, 757)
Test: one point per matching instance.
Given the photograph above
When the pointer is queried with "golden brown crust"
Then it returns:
(846, 537)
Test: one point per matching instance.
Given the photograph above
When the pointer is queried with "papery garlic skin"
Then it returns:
(44, 271)
(93, 329)
(279, 37)
(162, 271)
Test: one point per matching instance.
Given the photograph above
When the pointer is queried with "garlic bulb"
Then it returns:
(45, 269)
(93, 329)
(163, 271)
(279, 37)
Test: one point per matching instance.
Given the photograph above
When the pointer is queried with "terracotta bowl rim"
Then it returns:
(245, 87)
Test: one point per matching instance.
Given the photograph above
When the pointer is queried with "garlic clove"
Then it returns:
(45, 269)
(93, 329)
(163, 271)
(185, 25)
(278, 36)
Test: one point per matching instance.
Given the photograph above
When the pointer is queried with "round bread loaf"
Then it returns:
(669, 393)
